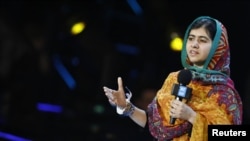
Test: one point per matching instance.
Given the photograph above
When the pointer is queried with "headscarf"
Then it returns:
(218, 59)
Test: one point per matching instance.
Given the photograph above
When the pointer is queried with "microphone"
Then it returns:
(180, 90)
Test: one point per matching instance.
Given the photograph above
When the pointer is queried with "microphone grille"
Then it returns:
(184, 77)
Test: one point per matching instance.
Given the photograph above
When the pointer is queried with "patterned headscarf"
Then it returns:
(218, 59)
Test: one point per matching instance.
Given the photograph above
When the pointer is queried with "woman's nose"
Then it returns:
(195, 44)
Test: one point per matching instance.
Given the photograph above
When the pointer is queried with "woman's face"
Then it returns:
(198, 46)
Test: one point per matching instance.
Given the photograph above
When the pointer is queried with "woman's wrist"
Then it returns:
(192, 117)
(129, 109)
(126, 111)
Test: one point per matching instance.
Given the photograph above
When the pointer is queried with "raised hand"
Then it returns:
(116, 97)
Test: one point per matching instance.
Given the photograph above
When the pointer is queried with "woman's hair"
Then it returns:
(208, 24)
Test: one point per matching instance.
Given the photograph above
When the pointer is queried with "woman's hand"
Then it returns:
(182, 111)
(116, 97)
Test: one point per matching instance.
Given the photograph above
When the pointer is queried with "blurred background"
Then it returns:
(55, 57)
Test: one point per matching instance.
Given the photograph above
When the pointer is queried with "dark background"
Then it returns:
(34, 34)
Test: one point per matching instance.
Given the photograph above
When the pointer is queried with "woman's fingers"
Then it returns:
(116, 97)
(120, 84)
(108, 93)
(176, 108)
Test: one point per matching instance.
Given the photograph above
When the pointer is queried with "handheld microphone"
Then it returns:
(180, 90)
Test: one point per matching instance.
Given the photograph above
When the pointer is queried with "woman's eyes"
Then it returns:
(199, 39)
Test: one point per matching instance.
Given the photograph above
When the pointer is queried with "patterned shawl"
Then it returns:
(214, 97)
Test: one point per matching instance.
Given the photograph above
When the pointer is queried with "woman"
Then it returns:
(214, 99)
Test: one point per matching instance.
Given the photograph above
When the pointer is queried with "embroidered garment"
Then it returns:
(214, 98)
